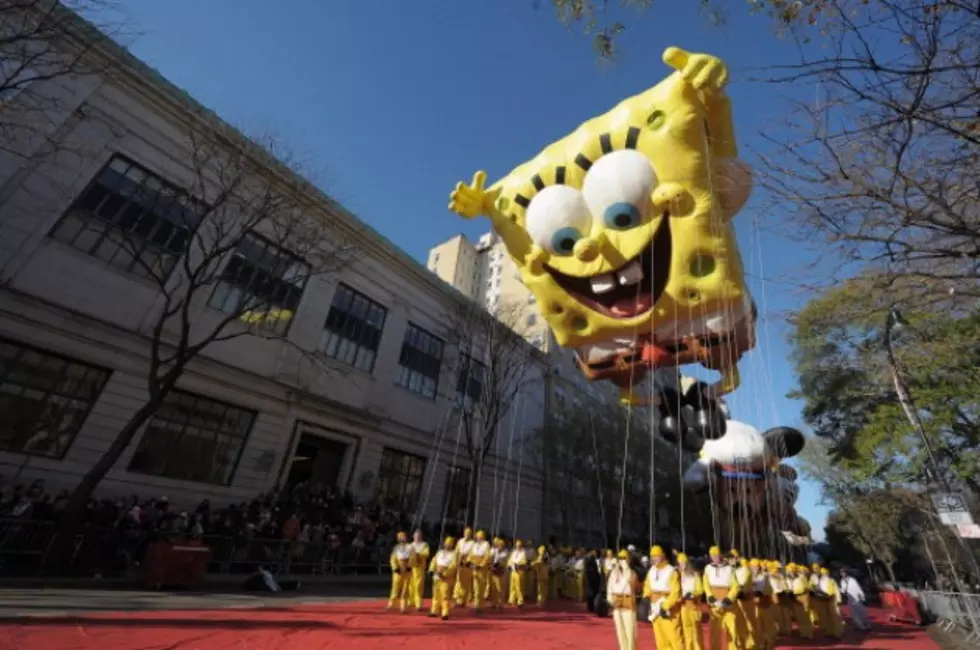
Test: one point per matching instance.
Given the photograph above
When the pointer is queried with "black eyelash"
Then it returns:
(522, 200)
(583, 162)
(560, 175)
(605, 141)
(631, 137)
(538, 183)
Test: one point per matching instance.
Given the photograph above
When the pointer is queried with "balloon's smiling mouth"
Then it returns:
(631, 290)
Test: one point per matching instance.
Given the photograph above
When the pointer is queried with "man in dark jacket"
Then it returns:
(593, 580)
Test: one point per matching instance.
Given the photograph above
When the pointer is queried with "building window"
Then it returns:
(261, 284)
(469, 383)
(531, 320)
(400, 480)
(132, 220)
(420, 361)
(353, 329)
(44, 399)
(456, 494)
(193, 438)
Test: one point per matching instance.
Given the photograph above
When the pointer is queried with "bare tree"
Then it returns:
(494, 377)
(230, 255)
(882, 158)
(44, 44)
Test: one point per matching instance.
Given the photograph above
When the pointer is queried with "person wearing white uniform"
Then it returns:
(621, 587)
(853, 595)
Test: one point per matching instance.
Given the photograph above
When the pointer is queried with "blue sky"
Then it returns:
(390, 103)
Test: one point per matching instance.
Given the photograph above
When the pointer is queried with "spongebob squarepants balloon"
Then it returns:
(622, 231)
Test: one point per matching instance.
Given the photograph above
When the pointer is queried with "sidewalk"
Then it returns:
(212, 582)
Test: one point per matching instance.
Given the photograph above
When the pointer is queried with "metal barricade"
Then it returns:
(24, 543)
(115, 551)
(954, 610)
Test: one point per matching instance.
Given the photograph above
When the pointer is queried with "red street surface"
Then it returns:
(365, 625)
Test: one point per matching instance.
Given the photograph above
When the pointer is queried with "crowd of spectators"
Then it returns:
(316, 526)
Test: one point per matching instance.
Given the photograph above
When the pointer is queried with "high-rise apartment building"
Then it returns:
(484, 272)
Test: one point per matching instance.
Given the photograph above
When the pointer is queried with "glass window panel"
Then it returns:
(400, 479)
(260, 296)
(131, 206)
(419, 362)
(193, 438)
(44, 399)
(347, 320)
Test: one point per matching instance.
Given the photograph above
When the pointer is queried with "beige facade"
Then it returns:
(75, 346)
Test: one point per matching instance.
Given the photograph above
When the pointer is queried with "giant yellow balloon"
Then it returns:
(622, 230)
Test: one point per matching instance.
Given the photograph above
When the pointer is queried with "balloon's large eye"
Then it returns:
(619, 187)
(557, 218)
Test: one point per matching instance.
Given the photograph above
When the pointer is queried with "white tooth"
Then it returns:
(631, 274)
(603, 283)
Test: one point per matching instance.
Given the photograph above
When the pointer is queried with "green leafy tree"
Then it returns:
(849, 399)
(893, 524)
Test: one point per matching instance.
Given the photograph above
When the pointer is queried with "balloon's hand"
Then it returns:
(473, 200)
(704, 72)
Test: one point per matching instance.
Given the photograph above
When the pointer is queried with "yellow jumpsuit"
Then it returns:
(663, 587)
(518, 570)
(833, 623)
(692, 591)
(498, 576)
(463, 592)
(480, 566)
(719, 584)
(782, 613)
(541, 569)
(400, 562)
(443, 568)
(530, 578)
(815, 607)
(745, 608)
(420, 562)
(800, 586)
(765, 612)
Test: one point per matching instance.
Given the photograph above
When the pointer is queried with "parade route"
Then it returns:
(73, 621)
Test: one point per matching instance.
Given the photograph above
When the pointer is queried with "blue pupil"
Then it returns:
(563, 241)
(621, 216)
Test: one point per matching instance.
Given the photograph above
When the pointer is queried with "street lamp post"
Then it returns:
(893, 324)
